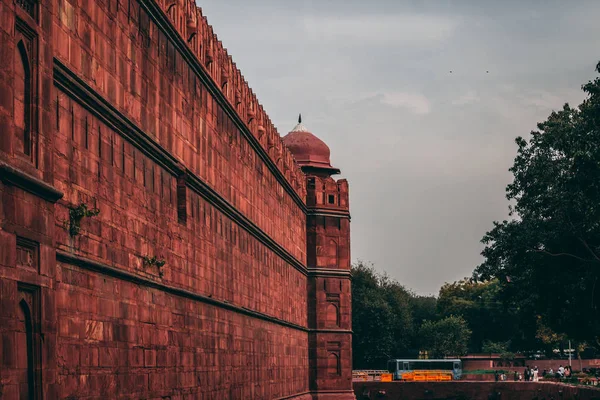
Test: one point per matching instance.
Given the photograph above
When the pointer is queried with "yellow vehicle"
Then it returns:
(425, 370)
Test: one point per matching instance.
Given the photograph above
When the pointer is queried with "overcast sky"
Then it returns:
(426, 151)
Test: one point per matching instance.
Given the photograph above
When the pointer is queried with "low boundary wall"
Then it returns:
(461, 390)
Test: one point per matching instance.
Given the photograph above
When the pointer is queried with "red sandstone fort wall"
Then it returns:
(121, 54)
(139, 111)
(120, 339)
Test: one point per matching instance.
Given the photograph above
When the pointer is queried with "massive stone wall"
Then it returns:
(132, 64)
(191, 280)
(144, 343)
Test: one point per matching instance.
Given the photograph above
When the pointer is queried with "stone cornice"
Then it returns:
(330, 272)
(324, 212)
(80, 91)
(331, 330)
(13, 176)
(118, 273)
(162, 22)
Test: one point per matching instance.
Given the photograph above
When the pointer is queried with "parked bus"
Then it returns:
(425, 370)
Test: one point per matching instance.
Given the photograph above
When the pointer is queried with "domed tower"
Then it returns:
(328, 262)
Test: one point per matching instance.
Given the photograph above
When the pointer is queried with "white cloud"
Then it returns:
(416, 103)
(382, 29)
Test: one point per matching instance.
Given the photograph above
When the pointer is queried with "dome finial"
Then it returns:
(300, 118)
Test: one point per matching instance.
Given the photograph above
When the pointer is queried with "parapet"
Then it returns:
(327, 193)
(193, 27)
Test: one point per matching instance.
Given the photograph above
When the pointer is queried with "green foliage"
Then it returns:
(381, 318)
(154, 261)
(547, 258)
(495, 347)
(76, 214)
(479, 304)
(424, 308)
(446, 337)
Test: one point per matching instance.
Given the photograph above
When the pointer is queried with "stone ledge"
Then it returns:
(15, 177)
(105, 269)
(329, 272)
(326, 330)
(322, 212)
(77, 89)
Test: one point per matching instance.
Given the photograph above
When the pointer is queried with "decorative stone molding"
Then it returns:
(15, 177)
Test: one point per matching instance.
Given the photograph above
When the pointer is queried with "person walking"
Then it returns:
(535, 374)
(526, 373)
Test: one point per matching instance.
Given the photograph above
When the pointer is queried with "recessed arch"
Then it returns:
(332, 315)
(333, 364)
(332, 253)
(26, 329)
(22, 98)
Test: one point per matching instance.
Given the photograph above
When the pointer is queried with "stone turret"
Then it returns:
(328, 262)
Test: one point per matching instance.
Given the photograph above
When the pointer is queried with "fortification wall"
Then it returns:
(130, 61)
(191, 279)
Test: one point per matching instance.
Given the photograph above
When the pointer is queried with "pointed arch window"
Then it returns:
(28, 342)
(24, 90)
(22, 97)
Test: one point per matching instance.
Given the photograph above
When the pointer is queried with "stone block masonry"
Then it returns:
(158, 238)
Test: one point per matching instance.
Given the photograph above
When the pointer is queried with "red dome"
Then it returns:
(308, 150)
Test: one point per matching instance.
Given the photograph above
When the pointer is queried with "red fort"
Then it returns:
(158, 238)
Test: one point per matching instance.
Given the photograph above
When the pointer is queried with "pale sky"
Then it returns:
(426, 151)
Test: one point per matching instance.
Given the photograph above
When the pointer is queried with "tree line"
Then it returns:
(537, 287)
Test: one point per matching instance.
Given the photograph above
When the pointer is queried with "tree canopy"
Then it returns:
(547, 257)
(479, 305)
(447, 337)
(381, 318)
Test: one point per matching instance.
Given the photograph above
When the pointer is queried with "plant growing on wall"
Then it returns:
(76, 214)
(154, 261)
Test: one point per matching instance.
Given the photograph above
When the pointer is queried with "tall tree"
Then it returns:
(381, 318)
(478, 303)
(547, 257)
(446, 337)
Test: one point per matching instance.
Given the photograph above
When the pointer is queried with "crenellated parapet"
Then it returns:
(326, 192)
(194, 28)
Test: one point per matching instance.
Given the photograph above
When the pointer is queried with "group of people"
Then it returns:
(562, 372)
(533, 375)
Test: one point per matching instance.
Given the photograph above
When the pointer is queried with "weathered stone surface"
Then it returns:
(206, 272)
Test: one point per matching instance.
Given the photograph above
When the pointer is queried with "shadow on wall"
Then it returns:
(471, 391)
